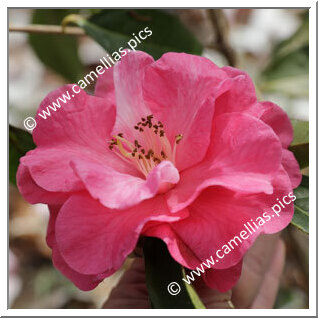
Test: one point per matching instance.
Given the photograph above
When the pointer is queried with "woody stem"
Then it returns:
(41, 28)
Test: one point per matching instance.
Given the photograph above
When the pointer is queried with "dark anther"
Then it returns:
(120, 135)
(179, 138)
(136, 127)
(143, 119)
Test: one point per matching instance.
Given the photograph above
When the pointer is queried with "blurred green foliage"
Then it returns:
(58, 52)
(287, 71)
(290, 299)
(301, 132)
(161, 269)
(300, 148)
(20, 142)
(301, 205)
(113, 28)
(300, 144)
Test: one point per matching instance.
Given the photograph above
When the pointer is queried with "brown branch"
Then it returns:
(221, 43)
(139, 17)
(52, 29)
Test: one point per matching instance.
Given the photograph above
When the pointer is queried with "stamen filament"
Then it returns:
(122, 150)
(153, 135)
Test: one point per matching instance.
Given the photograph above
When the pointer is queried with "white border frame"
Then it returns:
(312, 191)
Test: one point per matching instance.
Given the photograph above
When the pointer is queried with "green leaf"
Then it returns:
(290, 298)
(301, 132)
(20, 142)
(300, 144)
(113, 29)
(161, 270)
(288, 69)
(302, 194)
(58, 52)
(301, 206)
(301, 153)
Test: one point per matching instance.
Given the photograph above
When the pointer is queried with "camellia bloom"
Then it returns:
(177, 149)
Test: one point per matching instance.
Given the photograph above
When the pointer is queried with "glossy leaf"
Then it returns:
(161, 270)
(109, 30)
(58, 52)
(301, 132)
(288, 69)
(20, 142)
(300, 144)
(301, 206)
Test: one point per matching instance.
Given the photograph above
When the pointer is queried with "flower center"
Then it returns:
(145, 159)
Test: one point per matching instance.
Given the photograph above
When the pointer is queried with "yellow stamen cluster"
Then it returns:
(144, 159)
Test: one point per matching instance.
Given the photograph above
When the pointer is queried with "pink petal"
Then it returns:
(93, 239)
(34, 193)
(116, 190)
(180, 90)
(219, 279)
(243, 156)
(177, 248)
(217, 216)
(223, 279)
(275, 117)
(84, 119)
(105, 84)
(210, 226)
(128, 77)
(80, 129)
(49, 168)
(50, 232)
(283, 191)
(240, 97)
(82, 281)
(291, 166)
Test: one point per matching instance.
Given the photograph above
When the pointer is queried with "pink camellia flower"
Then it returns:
(177, 149)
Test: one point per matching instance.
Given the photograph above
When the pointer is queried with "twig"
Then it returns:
(221, 44)
(139, 17)
(41, 28)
